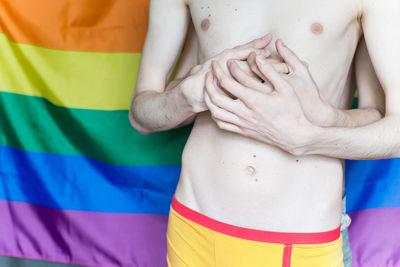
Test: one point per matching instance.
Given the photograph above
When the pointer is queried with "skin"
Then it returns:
(295, 192)
(371, 98)
(308, 100)
(317, 28)
(205, 24)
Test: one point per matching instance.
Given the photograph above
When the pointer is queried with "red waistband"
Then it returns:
(253, 234)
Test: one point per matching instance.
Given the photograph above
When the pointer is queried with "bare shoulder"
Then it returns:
(378, 6)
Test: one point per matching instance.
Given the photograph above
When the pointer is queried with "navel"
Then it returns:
(250, 170)
(205, 24)
(316, 28)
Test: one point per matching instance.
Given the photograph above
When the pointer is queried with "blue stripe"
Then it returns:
(372, 184)
(72, 182)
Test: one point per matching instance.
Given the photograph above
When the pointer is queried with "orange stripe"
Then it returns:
(83, 25)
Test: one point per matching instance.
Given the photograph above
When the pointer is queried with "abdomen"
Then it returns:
(247, 183)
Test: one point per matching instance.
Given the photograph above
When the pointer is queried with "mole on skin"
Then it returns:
(316, 28)
(205, 24)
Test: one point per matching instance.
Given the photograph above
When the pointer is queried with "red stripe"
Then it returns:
(287, 256)
(252, 234)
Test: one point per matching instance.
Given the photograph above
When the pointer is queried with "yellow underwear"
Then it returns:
(195, 240)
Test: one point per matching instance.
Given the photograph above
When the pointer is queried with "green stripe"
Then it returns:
(19, 262)
(34, 124)
(354, 104)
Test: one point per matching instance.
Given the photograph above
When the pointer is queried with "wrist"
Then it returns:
(187, 97)
(313, 137)
(328, 116)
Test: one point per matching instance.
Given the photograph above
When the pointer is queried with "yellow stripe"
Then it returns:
(89, 80)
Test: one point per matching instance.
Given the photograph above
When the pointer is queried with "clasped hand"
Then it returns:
(277, 104)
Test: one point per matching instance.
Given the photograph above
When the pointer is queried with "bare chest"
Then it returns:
(303, 24)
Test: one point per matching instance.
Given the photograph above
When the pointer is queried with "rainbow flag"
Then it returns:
(373, 202)
(78, 185)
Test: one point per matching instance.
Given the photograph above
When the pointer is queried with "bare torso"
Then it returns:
(247, 183)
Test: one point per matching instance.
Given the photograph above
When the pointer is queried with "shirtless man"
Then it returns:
(234, 189)
(371, 101)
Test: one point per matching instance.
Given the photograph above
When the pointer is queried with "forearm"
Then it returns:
(159, 111)
(378, 140)
(353, 117)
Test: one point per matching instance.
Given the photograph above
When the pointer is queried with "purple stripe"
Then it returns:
(79, 237)
(375, 237)
(6, 261)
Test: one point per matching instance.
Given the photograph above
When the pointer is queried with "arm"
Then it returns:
(371, 98)
(279, 118)
(282, 115)
(156, 106)
(380, 139)
(320, 112)
(152, 107)
(187, 62)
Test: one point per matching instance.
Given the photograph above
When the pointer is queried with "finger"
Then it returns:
(282, 68)
(272, 75)
(232, 86)
(228, 127)
(278, 65)
(245, 67)
(220, 99)
(220, 113)
(251, 60)
(274, 60)
(289, 56)
(242, 53)
(249, 81)
(266, 138)
(259, 43)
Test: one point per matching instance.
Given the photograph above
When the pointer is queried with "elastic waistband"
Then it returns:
(253, 234)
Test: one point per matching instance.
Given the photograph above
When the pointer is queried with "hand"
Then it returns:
(192, 87)
(248, 74)
(270, 115)
(317, 110)
(251, 79)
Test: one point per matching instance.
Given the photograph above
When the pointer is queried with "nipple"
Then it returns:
(205, 24)
(316, 28)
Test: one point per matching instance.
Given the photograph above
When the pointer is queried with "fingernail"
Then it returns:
(266, 52)
(229, 62)
(260, 60)
(282, 43)
(267, 35)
